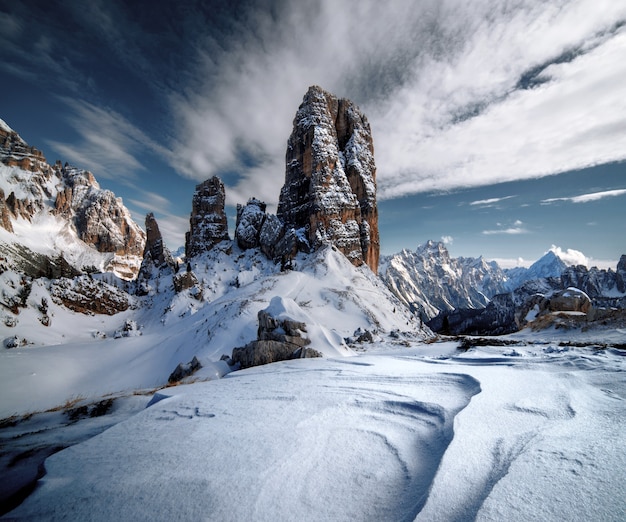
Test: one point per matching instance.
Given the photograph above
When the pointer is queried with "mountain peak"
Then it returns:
(330, 179)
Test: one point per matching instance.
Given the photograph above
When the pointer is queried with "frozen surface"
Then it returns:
(524, 432)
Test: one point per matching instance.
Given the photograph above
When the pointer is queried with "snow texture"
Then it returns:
(422, 433)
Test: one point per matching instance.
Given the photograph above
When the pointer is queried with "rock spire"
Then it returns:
(208, 223)
(155, 253)
(330, 181)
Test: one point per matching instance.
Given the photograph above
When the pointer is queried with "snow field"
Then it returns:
(422, 433)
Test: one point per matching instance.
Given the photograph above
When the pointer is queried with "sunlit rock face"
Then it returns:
(329, 195)
(98, 217)
(208, 223)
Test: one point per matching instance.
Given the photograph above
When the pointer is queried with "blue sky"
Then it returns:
(499, 127)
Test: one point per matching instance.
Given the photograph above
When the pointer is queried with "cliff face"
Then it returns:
(29, 187)
(330, 181)
(208, 223)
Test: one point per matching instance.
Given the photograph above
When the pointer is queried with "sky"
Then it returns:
(499, 126)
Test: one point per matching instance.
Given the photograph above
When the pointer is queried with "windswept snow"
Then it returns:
(424, 433)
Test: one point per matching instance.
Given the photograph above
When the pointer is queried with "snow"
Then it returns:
(403, 429)
(4, 126)
(424, 433)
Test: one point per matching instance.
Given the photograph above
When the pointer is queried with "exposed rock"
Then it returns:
(63, 202)
(278, 339)
(184, 370)
(155, 253)
(184, 281)
(89, 296)
(208, 223)
(620, 276)
(15, 152)
(569, 300)
(97, 217)
(250, 220)
(330, 181)
(497, 318)
(271, 238)
(130, 328)
(24, 208)
(101, 219)
(594, 281)
(5, 219)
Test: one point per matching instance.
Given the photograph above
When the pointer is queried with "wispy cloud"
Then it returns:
(447, 240)
(516, 228)
(490, 202)
(458, 93)
(108, 145)
(586, 198)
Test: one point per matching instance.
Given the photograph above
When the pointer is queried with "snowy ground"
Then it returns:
(524, 432)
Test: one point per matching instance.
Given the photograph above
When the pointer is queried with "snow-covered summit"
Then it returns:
(428, 280)
(61, 210)
(549, 265)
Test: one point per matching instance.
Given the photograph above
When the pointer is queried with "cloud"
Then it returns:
(447, 240)
(490, 202)
(457, 94)
(586, 198)
(570, 256)
(506, 262)
(516, 228)
(108, 145)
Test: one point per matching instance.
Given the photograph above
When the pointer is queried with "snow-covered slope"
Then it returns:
(429, 280)
(549, 265)
(98, 354)
(426, 433)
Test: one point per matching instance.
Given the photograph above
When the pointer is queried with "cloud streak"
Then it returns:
(586, 198)
(489, 202)
(109, 144)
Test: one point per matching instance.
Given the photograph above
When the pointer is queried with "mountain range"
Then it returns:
(153, 368)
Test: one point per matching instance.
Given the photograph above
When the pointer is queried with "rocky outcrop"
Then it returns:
(278, 339)
(97, 217)
(155, 254)
(185, 281)
(208, 223)
(89, 296)
(329, 195)
(5, 219)
(497, 318)
(250, 219)
(184, 370)
(15, 152)
(596, 282)
(620, 275)
(569, 300)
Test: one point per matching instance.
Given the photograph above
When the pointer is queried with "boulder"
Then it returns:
(184, 370)
(278, 339)
(250, 220)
